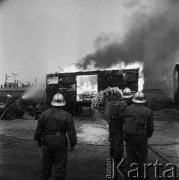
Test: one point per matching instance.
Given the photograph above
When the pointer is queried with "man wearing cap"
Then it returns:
(54, 125)
(138, 127)
(116, 129)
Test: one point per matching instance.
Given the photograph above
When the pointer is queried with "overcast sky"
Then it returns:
(37, 36)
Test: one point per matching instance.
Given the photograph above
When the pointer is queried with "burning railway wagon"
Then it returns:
(80, 87)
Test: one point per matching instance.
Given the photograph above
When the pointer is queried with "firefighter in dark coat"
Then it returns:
(9, 115)
(54, 125)
(116, 129)
(138, 127)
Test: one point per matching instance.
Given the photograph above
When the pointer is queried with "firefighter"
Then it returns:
(116, 129)
(54, 125)
(9, 115)
(138, 127)
(127, 96)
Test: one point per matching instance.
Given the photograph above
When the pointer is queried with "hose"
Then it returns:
(9, 107)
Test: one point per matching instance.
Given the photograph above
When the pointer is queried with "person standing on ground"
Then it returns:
(116, 129)
(127, 96)
(10, 114)
(138, 127)
(54, 125)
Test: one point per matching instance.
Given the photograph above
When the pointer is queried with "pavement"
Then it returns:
(18, 151)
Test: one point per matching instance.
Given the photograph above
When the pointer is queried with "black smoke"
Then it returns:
(151, 38)
(2, 1)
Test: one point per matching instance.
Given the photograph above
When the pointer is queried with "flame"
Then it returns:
(72, 68)
(86, 85)
(141, 78)
(121, 65)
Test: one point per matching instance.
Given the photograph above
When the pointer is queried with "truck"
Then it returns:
(80, 87)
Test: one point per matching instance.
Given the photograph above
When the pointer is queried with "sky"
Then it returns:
(41, 36)
(38, 36)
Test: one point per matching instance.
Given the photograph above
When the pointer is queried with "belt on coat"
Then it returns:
(55, 132)
(142, 126)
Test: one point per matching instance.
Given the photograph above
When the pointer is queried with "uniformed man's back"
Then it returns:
(54, 125)
(138, 127)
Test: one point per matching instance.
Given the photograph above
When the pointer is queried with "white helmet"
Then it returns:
(58, 100)
(9, 96)
(139, 97)
(127, 93)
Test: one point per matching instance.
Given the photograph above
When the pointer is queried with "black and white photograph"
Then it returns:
(89, 89)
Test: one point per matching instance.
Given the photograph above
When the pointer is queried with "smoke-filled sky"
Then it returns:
(40, 36)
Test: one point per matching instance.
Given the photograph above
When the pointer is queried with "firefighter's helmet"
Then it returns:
(9, 96)
(58, 100)
(127, 93)
(139, 97)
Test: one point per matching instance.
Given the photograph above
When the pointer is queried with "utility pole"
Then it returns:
(6, 78)
(35, 81)
(14, 77)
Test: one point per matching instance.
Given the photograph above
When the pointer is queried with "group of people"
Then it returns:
(134, 125)
(55, 129)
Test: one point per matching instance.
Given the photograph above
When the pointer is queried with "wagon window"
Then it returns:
(130, 76)
(68, 79)
(87, 87)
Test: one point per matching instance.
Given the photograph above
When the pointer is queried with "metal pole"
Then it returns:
(14, 76)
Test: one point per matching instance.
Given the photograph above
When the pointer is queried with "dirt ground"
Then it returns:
(20, 157)
(20, 160)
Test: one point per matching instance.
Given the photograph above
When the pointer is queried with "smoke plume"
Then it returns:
(151, 36)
